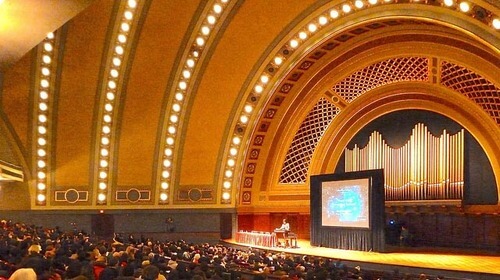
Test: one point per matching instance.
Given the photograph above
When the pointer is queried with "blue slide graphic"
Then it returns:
(347, 205)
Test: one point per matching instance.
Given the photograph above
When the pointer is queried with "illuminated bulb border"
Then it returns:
(198, 44)
(42, 115)
(111, 94)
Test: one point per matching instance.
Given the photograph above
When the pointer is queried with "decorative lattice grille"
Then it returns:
(472, 85)
(304, 143)
(382, 73)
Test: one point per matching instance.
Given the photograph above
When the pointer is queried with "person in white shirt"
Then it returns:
(285, 225)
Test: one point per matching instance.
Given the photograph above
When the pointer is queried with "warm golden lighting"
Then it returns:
(41, 152)
(117, 61)
(496, 23)
(171, 129)
(101, 197)
(334, 14)
(132, 3)
(278, 60)
(359, 4)
(48, 47)
(44, 94)
(464, 7)
(46, 59)
(40, 197)
(322, 20)
(125, 27)
(163, 196)
(122, 38)
(42, 141)
(205, 30)
(200, 41)
(43, 106)
(211, 19)
(346, 8)
(248, 108)
(128, 15)
(258, 88)
(110, 96)
(312, 27)
(104, 152)
(106, 129)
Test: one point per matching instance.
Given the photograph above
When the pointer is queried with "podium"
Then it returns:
(289, 238)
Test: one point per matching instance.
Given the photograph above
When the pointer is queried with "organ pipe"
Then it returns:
(426, 167)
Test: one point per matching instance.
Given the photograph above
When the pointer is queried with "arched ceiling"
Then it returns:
(160, 104)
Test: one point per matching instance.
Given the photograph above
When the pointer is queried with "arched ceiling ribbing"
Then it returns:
(161, 104)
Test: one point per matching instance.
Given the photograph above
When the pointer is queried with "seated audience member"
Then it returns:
(150, 272)
(23, 274)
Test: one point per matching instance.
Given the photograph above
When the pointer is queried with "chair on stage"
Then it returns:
(293, 239)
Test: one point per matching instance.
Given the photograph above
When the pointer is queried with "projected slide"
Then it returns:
(346, 203)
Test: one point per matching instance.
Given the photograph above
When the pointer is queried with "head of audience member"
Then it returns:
(23, 274)
(150, 272)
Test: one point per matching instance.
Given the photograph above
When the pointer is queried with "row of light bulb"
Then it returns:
(182, 84)
(42, 121)
(112, 83)
(179, 96)
(307, 31)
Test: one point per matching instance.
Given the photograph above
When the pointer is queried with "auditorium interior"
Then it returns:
(203, 120)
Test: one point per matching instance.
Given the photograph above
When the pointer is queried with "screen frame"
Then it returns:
(350, 238)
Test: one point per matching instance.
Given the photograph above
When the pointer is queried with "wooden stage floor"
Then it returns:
(465, 264)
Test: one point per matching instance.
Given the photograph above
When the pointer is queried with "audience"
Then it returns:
(30, 252)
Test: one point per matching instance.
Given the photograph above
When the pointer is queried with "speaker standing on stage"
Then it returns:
(284, 226)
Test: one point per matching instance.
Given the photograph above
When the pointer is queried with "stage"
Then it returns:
(450, 262)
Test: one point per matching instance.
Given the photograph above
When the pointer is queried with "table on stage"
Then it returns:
(289, 238)
(264, 239)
